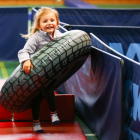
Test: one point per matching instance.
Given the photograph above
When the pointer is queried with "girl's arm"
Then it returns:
(24, 54)
(29, 48)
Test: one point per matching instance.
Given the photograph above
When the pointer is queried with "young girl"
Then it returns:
(44, 30)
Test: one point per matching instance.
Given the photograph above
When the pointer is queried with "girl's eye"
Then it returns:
(52, 20)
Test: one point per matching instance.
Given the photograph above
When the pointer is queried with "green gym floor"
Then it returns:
(108, 6)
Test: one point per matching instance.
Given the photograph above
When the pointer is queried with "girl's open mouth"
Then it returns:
(49, 27)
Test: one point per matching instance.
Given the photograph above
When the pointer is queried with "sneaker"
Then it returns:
(54, 119)
(37, 128)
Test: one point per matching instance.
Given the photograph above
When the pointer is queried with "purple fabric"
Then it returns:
(79, 4)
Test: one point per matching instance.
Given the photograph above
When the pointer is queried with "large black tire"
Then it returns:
(53, 64)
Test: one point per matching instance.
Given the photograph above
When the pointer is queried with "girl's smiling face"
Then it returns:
(48, 23)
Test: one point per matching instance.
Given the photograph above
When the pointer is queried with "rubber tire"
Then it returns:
(53, 64)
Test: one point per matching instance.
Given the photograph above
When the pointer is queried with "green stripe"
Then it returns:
(10, 67)
(3, 70)
(29, 20)
(28, 5)
(118, 6)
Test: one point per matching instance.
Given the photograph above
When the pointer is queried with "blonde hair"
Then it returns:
(41, 12)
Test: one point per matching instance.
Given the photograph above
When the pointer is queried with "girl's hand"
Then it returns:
(26, 66)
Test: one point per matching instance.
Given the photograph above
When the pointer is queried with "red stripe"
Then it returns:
(37, 38)
(50, 37)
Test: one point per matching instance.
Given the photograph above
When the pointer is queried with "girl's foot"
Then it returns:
(37, 128)
(54, 118)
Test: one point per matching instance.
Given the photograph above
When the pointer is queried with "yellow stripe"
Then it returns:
(3, 70)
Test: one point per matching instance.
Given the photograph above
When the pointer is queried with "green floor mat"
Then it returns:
(32, 5)
(6, 68)
(118, 6)
(88, 133)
